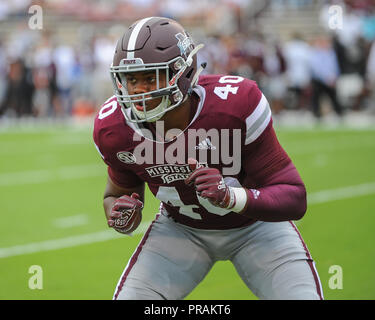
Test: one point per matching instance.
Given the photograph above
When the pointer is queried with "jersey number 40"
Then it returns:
(223, 92)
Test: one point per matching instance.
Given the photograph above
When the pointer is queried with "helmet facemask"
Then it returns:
(170, 93)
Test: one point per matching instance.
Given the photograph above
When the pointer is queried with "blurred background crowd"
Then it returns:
(315, 56)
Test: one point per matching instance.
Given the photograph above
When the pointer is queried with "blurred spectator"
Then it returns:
(255, 52)
(236, 61)
(371, 66)
(104, 48)
(19, 90)
(297, 55)
(222, 20)
(351, 41)
(64, 58)
(324, 72)
(370, 74)
(275, 68)
(215, 54)
(42, 97)
(3, 71)
(44, 78)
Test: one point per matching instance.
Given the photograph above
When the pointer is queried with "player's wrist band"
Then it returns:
(239, 197)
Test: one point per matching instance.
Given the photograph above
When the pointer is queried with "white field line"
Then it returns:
(316, 146)
(72, 221)
(68, 242)
(73, 241)
(341, 193)
(10, 148)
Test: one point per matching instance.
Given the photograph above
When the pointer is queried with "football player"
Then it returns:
(206, 147)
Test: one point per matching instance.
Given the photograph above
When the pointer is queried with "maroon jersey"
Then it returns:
(231, 130)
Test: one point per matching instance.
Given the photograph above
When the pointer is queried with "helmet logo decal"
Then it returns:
(184, 42)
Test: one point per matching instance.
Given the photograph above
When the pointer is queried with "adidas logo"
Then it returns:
(205, 145)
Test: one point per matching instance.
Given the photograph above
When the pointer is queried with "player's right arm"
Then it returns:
(113, 192)
(124, 189)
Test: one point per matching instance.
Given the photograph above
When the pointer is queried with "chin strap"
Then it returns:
(154, 114)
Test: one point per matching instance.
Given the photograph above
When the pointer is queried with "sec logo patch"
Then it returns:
(126, 157)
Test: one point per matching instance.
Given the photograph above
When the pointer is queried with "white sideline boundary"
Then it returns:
(74, 241)
(68, 242)
(341, 193)
(51, 175)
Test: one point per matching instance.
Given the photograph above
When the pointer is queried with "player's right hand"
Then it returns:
(126, 213)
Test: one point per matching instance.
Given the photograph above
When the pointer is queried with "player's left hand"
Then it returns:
(209, 184)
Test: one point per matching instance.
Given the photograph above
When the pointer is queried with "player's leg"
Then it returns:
(165, 265)
(276, 264)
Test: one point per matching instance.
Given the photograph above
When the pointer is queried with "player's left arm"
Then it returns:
(272, 189)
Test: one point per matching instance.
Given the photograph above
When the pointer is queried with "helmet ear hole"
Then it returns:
(171, 74)
(188, 75)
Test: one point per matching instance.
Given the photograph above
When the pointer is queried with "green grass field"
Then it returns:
(51, 185)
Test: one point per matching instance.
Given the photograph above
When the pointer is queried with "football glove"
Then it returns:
(126, 213)
(210, 184)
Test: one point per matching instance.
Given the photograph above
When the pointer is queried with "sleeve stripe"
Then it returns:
(257, 112)
(259, 130)
(258, 120)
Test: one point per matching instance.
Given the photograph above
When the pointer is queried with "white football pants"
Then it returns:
(172, 259)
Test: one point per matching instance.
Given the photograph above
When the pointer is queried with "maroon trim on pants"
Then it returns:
(134, 258)
(310, 263)
(316, 278)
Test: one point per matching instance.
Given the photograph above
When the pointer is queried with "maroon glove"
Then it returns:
(126, 213)
(209, 184)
